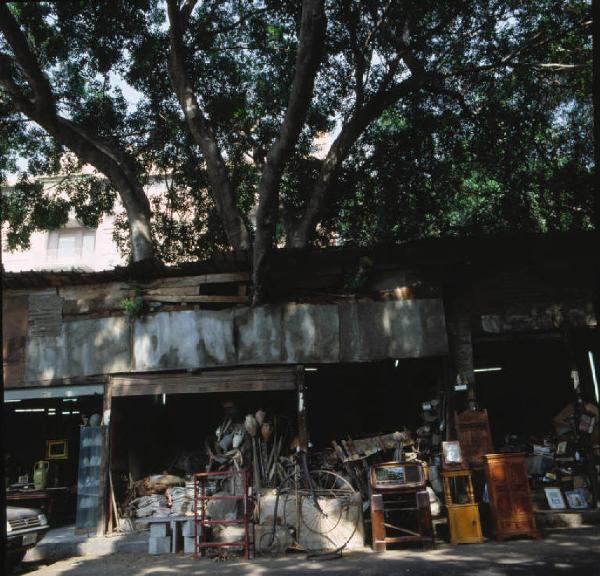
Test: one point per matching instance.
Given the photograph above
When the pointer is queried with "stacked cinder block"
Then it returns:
(188, 537)
(160, 538)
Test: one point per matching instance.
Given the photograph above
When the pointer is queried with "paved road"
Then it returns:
(563, 553)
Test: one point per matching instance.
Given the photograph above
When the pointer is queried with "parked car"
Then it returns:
(25, 527)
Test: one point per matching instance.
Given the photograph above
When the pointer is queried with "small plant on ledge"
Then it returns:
(133, 307)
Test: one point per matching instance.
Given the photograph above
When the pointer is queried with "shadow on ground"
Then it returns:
(566, 552)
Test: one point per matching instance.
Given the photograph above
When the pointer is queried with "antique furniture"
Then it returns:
(400, 509)
(473, 432)
(463, 511)
(452, 455)
(91, 481)
(510, 500)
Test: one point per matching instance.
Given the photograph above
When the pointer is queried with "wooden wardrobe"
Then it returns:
(510, 499)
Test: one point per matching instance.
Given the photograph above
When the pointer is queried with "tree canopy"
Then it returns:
(457, 117)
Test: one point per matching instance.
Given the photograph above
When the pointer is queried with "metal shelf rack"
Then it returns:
(201, 500)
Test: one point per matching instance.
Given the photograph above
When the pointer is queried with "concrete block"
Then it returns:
(159, 529)
(187, 528)
(188, 545)
(159, 545)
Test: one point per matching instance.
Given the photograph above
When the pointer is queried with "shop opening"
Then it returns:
(42, 452)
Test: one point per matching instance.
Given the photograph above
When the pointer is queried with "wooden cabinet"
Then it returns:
(510, 499)
(473, 431)
(465, 527)
(463, 511)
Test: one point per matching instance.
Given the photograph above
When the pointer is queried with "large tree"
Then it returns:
(444, 116)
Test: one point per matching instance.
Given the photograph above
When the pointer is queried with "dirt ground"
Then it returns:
(563, 552)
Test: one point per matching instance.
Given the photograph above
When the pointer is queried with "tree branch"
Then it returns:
(358, 57)
(239, 21)
(199, 126)
(7, 80)
(42, 110)
(43, 99)
(437, 88)
(308, 57)
(351, 131)
(186, 12)
(378, 23)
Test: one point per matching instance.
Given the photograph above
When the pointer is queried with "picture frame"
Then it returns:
(57, 449)
(555, 498)
(561, 448)
(452, 454)
(576, 499)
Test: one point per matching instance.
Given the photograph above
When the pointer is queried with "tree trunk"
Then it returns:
(118, 172)
(200, 128)
(308, 58)
(303, 230)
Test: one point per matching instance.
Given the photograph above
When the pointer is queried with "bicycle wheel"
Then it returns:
(328, 482)
(329, 517)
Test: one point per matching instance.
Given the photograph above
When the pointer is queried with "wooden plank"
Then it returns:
(258, 377)
(200, 299)
(172, 291)
(247, 380)
(77, 381)
(112, 291)
(221, 278)
(199, 388)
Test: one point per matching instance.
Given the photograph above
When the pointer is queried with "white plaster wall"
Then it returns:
(104, 257)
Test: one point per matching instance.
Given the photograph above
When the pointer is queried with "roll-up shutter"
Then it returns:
(256, 379)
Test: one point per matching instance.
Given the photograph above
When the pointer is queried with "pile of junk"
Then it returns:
(254, 482)
(321, 501)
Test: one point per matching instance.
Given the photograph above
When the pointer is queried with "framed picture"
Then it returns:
(451, 454)
(57, 449)
(555, 498)
(576, 499)
(561, 448)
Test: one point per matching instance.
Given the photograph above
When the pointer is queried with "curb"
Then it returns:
(53, 551)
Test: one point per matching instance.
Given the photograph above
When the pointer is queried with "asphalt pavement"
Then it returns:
(563, 552)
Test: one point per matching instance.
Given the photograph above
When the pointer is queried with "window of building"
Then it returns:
(71, 243)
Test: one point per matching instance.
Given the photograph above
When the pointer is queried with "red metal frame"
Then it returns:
(200, 496)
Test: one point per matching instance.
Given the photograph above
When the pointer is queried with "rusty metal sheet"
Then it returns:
(14, 338)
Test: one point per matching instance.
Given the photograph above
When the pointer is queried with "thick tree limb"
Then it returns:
(186, 12)
(308, 57)
(358, 57)
(351, 131)
(43, 99)
(40, 107)
(199, 126)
